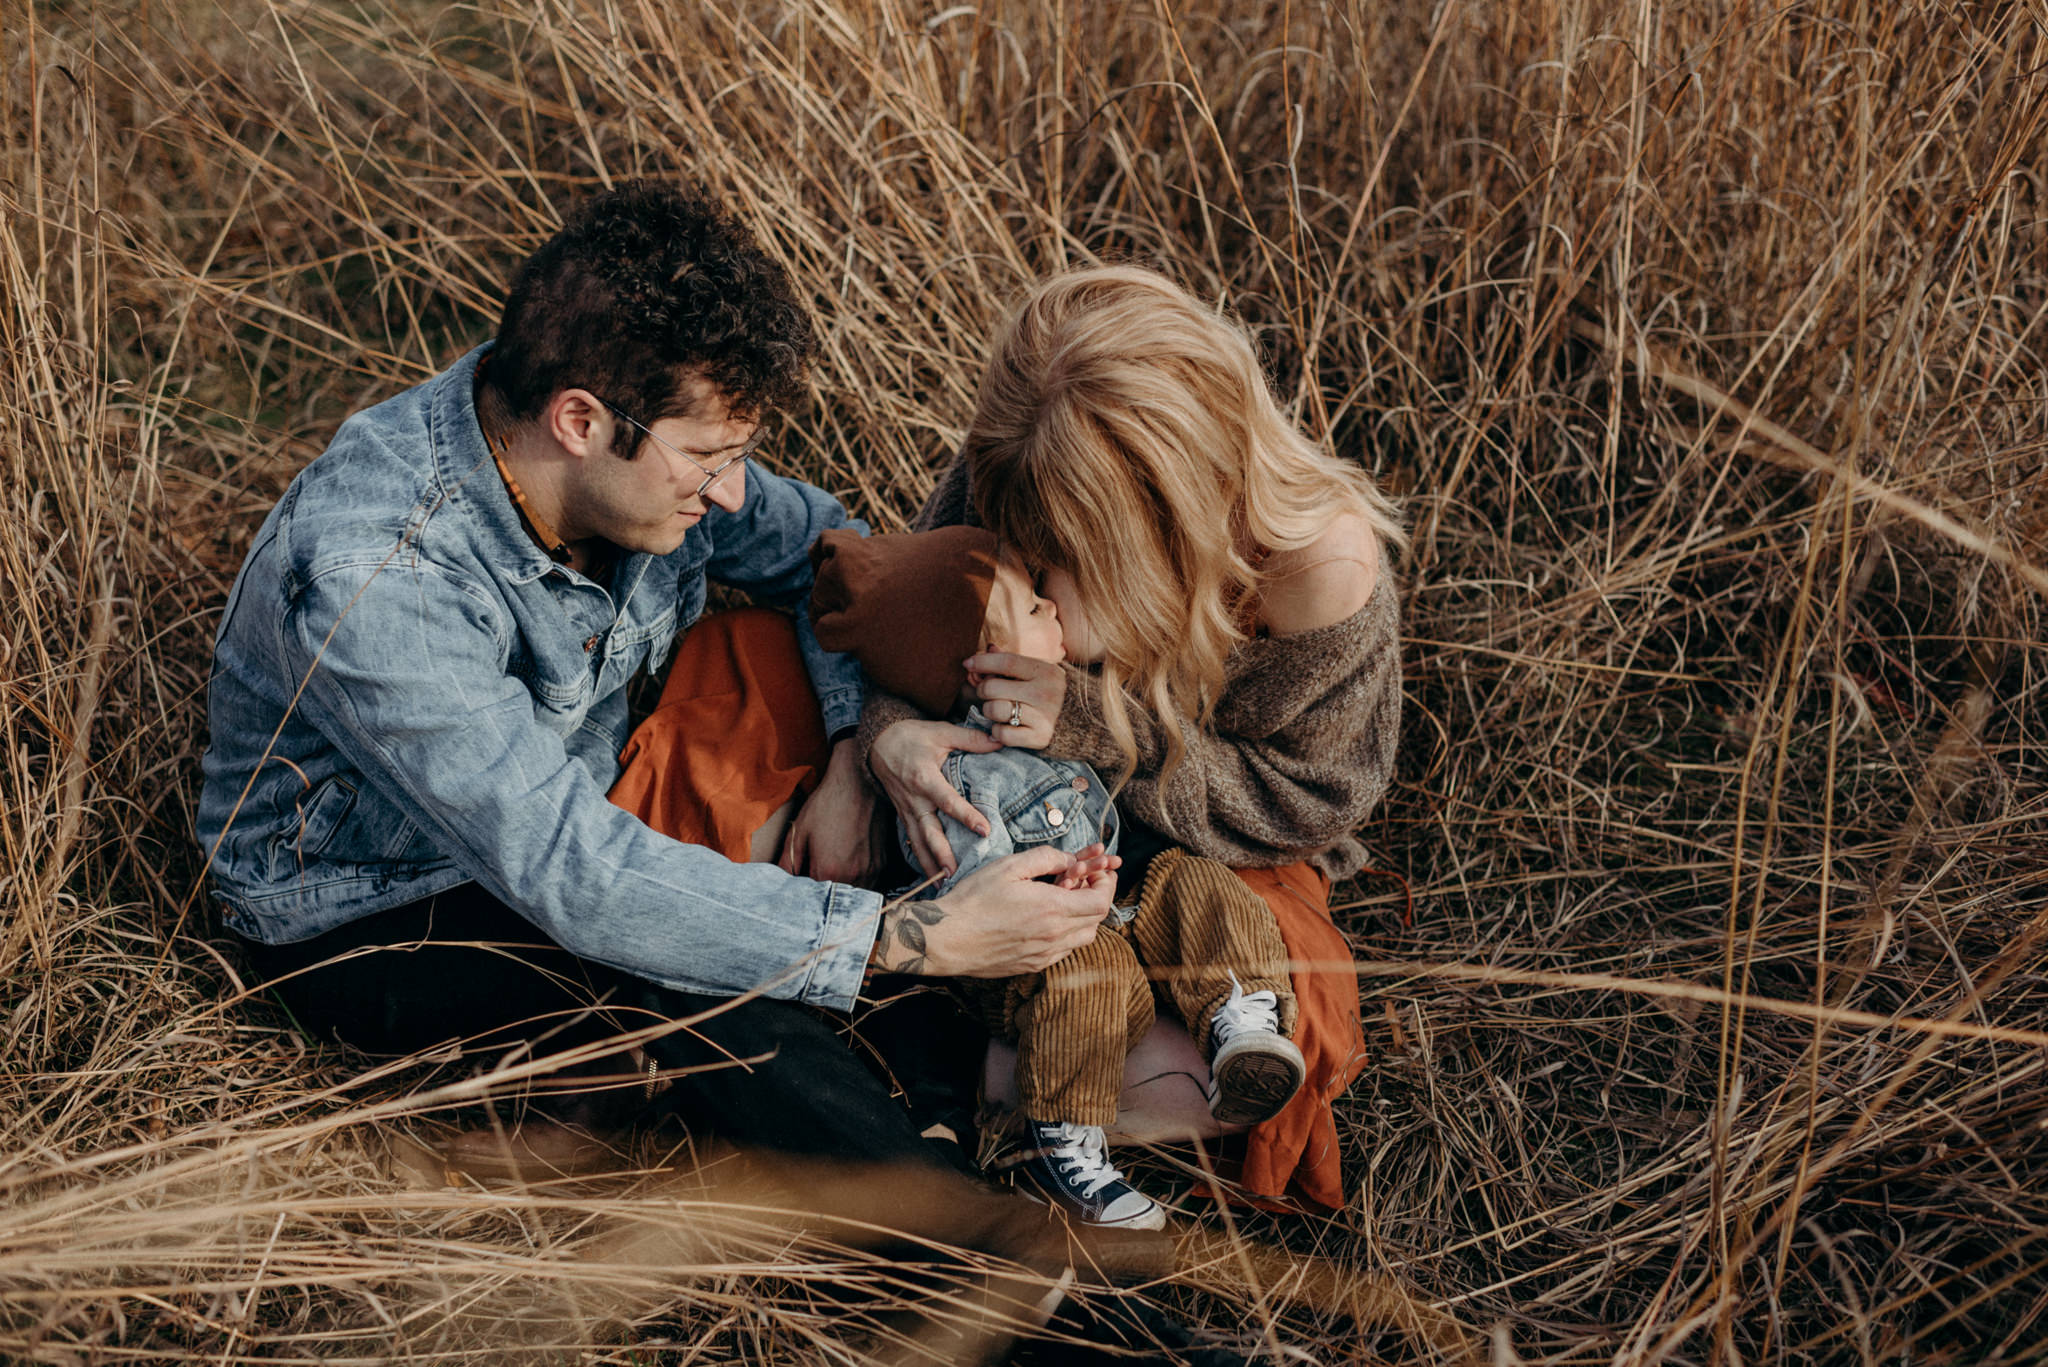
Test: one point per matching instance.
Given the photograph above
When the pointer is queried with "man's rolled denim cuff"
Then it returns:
(835, 676)
(852, 918)
(841, 710)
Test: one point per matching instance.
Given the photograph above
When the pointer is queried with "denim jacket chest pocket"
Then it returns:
(1038, 801)
(1054, 812)
(563, 694)
(558, 657)
(648, 619)
(635, 643)
(653, 641)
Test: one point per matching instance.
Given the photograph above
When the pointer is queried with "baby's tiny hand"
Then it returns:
(1090, 868)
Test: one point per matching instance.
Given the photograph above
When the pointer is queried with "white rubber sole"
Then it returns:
(1253, 1077)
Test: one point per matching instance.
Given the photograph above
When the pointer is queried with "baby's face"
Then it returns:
(1082, 647)
(1020, 619)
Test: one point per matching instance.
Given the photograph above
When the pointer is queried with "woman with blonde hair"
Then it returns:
(1231, 629)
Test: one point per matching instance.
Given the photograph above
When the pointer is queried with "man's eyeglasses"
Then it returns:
(711, 476)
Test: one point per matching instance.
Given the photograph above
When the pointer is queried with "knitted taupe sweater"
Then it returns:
(1299, 751)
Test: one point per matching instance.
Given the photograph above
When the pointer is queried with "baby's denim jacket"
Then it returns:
(1029, 798)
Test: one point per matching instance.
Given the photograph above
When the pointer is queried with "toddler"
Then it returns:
(911, 608)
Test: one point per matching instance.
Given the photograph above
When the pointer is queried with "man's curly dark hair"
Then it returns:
(644, 286)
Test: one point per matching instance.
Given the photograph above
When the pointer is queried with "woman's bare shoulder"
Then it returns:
(1323, 582)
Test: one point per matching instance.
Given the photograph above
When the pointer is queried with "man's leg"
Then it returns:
(460, 965)
(777, 1075)
(463, 966)
(930, 1050)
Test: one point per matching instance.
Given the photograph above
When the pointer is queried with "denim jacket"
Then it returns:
(1029, 798)
(407, 694)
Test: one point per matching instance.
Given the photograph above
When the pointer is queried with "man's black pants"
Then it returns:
(758, 1073)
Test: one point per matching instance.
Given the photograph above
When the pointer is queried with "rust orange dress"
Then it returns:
(735, 735)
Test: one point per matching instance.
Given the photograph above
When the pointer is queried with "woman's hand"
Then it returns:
(1022, 696)
(906, 760)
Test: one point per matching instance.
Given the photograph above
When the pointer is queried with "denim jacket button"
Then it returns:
(1079, 785)
(590, 645)
(1054, 816)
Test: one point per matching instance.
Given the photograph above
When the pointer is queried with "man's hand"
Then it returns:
(1000, 921)
(833, 835)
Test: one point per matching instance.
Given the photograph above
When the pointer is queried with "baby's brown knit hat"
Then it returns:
(910, 606)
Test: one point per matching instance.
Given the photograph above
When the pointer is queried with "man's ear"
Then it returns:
(578, 423)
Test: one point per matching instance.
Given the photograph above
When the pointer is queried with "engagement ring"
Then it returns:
(1016, 714)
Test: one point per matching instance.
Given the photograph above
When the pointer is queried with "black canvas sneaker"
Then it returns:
(1069, 1165)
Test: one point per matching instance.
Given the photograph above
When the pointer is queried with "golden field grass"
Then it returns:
(1703, 343)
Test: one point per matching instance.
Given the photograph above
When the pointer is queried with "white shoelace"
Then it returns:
(1082, 1155)
(1244, 1011)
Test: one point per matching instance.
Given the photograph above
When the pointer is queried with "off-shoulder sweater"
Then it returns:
(1298, 752)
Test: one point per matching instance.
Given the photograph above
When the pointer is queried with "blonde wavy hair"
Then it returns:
(1125, 433)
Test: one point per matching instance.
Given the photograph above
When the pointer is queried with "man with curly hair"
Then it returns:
(418, 706)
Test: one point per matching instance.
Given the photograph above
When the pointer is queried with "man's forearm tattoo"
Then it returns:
(900, 945)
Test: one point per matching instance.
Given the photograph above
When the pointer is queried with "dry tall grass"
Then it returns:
(1704, 340)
